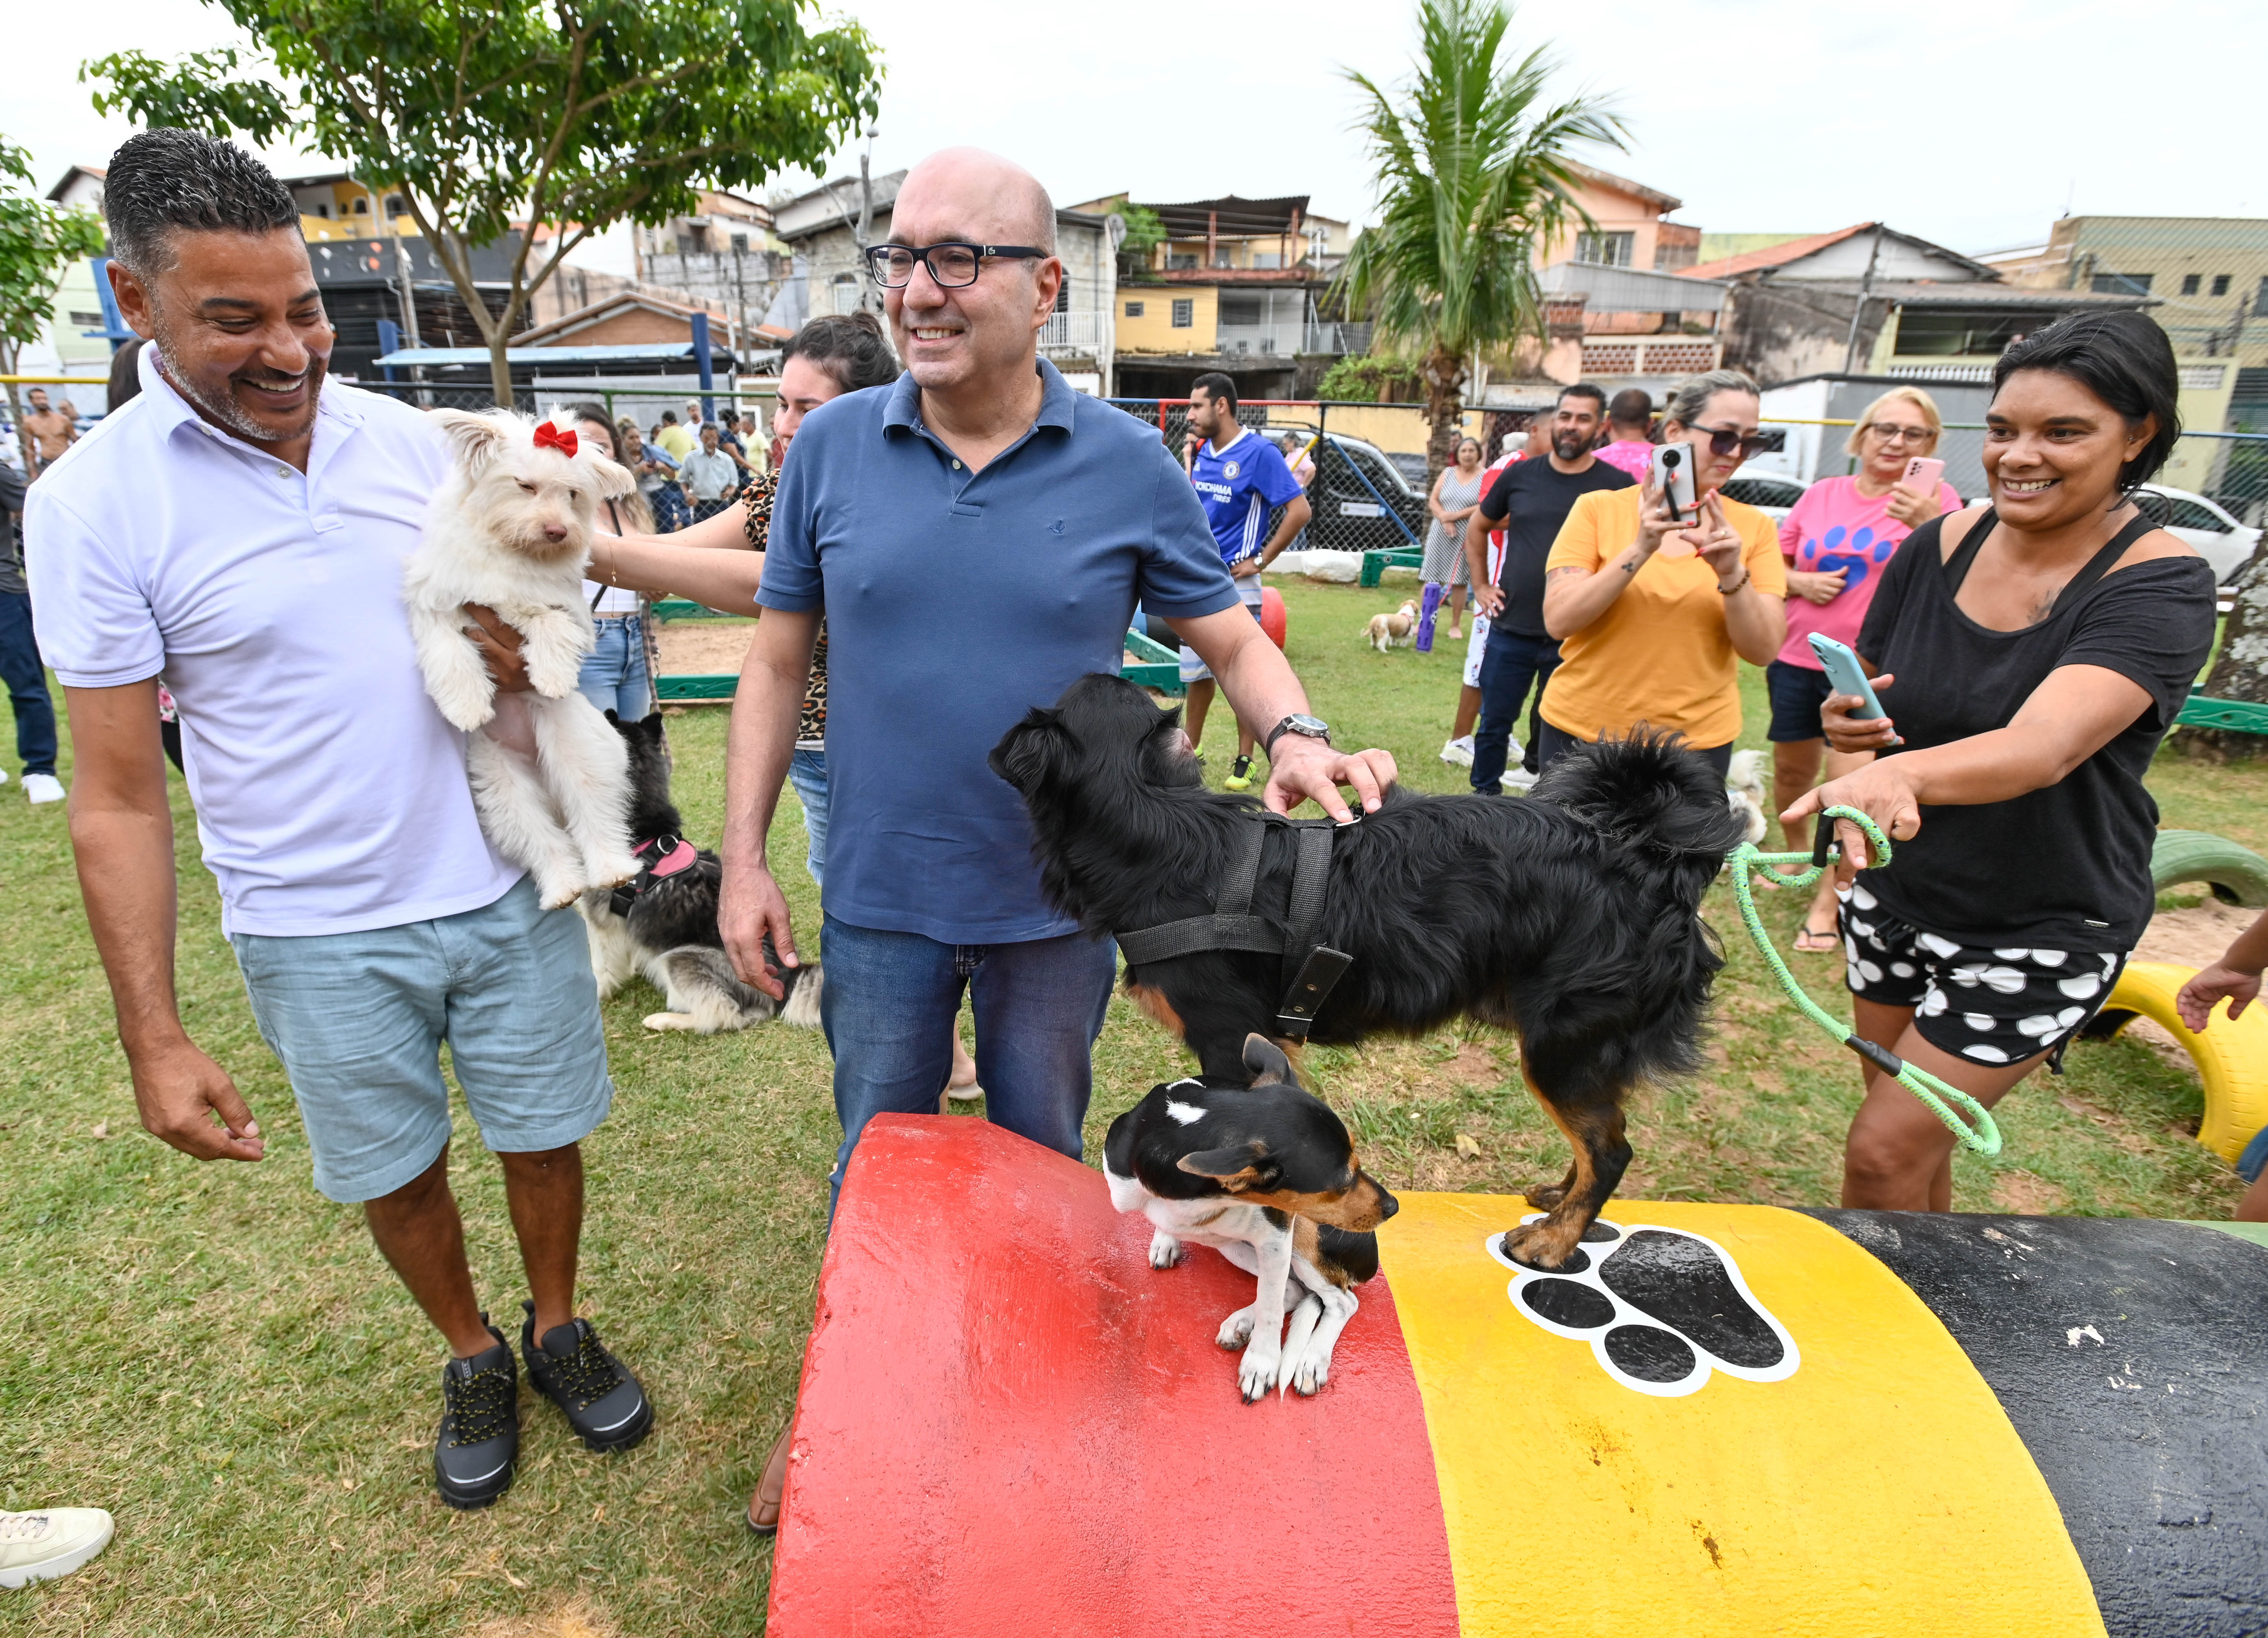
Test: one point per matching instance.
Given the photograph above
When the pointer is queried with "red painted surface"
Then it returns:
(1011, 1424)
(1275, 622)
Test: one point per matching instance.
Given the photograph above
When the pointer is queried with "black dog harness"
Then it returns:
(663, 856)
(1311, 969)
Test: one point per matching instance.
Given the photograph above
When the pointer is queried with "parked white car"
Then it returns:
(1773, 495)
(2218, 538)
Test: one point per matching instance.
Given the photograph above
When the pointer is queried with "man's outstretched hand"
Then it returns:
(1300, 768)
(189, 1101)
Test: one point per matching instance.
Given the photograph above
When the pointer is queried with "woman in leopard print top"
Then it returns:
(811, 726)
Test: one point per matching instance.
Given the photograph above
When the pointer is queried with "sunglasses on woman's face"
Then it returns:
(1725, 440)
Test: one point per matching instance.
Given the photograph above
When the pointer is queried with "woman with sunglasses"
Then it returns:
(1651, 610)
(2031, 655)
(1837, 541)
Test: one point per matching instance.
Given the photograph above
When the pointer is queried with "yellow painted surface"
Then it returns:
(1878, 1489)
(1153, 330)
(2231, 1056)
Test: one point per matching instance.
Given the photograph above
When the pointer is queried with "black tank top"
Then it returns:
(2067, 867)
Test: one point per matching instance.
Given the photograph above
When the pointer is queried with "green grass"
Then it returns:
(217, 1354)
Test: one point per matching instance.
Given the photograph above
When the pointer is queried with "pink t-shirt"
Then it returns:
(1634, 456)
(1833, 527)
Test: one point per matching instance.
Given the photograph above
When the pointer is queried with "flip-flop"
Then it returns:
(1813, 942)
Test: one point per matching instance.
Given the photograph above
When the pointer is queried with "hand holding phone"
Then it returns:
(1673, 476)
(1848, 677)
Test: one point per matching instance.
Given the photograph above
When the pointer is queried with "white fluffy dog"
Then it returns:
(512, 530)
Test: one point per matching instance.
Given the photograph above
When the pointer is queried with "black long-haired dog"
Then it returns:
(663, 923)
(1570, 916)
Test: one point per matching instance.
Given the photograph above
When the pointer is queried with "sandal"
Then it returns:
(770, 1489)
(1814, 942)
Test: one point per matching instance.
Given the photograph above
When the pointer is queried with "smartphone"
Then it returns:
(1844, 672)
(1923, 475)
(1673, 475)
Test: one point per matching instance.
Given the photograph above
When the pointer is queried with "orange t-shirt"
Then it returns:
(1660, 654)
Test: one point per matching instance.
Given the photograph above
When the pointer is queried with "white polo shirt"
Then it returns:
(331, 794)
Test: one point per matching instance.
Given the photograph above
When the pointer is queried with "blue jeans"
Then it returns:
(613, 673)
(807, 773)
(27, 684)
(889, 1008)
(1509, 666)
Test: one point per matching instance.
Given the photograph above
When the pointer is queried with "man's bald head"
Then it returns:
(966, 192)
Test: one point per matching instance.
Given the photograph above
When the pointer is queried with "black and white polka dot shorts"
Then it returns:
(1990, 1005)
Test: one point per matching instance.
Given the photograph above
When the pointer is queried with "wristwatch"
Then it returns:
(1297, 723)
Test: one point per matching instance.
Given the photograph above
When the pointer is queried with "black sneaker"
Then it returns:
(602, 1402)
(480, 1426)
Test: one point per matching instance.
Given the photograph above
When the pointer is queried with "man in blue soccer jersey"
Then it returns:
(1240, 477)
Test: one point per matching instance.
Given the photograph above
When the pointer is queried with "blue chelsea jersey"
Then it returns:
(1239, 486)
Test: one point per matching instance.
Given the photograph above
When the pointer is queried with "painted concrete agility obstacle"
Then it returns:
(1732, 1420)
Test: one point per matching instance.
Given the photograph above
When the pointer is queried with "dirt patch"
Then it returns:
(2194, 937)
(704, 647)
(577, 1618)
(2027, 1195)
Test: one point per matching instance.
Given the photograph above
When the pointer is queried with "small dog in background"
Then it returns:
(1267, 1176)
(1385, 631)
(512, 530)
(1744, 793)
(663, 923)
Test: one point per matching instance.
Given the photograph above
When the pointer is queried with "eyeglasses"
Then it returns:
(952, 264)
(1891, 434)
(1725, 440)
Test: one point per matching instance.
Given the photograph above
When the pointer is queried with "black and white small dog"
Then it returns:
(663, 923)
(1266, 1175)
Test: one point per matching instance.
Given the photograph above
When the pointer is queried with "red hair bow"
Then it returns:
(549, 436)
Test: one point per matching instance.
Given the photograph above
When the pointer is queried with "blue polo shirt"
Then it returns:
(955, 602)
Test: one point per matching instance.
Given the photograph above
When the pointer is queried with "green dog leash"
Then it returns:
(1977, 1132)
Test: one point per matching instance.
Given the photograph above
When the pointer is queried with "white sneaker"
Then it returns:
(1459, 753)
(3, 776)
(41, 1547)
(43, 788)
(1521, 779)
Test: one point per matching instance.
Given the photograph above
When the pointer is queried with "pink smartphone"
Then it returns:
(1923, 475)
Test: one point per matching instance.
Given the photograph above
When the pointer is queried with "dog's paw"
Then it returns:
(1544, 1196)
(659, 1021)
(1256, 1373)
(1236, 1330)
(1165, 1250)
(1661, 1308)
(608, 873)
(1542, 1244)
(1306, 1372)
(558, 892)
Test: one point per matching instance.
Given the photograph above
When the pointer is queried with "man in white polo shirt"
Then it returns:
(239, 529)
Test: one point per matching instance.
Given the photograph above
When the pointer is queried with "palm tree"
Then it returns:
(1473, 179)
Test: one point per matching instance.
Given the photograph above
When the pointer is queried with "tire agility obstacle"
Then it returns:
(2231, 1056)
(1732, 1420)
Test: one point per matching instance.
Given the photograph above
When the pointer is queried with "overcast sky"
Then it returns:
(1973, 125)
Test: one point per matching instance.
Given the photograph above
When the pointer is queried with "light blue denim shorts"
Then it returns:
(358, 1020)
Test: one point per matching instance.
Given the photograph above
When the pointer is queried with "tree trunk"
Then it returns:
(1445, 409)
(2240, 672)
(9, 357)
(500, 368)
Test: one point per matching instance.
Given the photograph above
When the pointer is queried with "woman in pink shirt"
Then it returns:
(1837, 539)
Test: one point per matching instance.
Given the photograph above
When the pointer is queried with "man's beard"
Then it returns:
(1570, 447)
(226, 412)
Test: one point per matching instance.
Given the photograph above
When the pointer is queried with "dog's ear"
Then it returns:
(612, 719)
(472, 439)
(651, 725)
(1236, 1168)
(614, 478)
(1268, 1062)
(1035, 752)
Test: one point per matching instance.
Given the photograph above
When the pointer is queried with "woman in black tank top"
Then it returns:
(2031, 656)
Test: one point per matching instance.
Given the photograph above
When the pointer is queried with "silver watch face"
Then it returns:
(1300, 723)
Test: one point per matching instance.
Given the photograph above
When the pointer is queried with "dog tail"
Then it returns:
(1648, 792)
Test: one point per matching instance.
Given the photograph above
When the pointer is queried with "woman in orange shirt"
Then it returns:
(1652, 613)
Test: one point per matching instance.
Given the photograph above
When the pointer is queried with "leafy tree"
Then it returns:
(485, 113)
(38, 241)
(1473, 180)
(1369, 378)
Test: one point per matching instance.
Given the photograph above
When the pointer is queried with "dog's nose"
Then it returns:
(1386, 1205)
(555, 532)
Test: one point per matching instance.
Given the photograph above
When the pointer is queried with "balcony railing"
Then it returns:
(1073, 332)
(1682, 355)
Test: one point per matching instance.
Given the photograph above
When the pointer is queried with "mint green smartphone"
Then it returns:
(1844, 672)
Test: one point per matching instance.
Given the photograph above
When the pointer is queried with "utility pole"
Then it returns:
(1866, 294)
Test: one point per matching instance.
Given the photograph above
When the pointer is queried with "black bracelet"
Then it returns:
(1736, 585)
